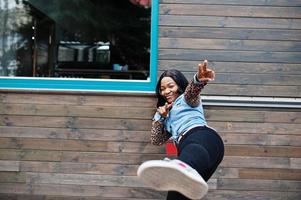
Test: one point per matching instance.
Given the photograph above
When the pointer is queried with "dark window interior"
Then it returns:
(98, 39)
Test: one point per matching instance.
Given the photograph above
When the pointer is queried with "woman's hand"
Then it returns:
(164, 110)
(205, 74)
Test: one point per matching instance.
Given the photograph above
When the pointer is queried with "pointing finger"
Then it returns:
(165, 107)
(169, 106)
(213, 75)
(204, 66)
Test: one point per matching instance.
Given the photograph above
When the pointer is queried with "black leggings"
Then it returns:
(202, 149)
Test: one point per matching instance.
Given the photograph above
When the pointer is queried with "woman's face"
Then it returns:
(169, 89)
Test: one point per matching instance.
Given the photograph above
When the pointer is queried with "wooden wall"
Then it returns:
(88, 147)
(254, 46)
(83, 146)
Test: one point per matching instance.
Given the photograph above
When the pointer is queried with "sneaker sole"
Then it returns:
(162, 176)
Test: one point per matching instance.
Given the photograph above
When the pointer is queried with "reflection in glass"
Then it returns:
(75, 38)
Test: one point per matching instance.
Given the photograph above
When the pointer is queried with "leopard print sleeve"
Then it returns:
(158, 135)
(192, 92)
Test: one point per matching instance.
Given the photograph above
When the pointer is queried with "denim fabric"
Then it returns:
(182, 117)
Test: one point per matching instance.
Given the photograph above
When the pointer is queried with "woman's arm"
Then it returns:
(192, 92)
(158, 135)
(194, 88)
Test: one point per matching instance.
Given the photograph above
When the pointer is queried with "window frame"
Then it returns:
(108, 85)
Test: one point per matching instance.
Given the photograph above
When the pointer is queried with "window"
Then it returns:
(78, 44)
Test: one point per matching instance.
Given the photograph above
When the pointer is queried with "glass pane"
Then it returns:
(98, 39)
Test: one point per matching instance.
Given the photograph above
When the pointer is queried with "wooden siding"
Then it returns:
(254, 46)
(88, 147)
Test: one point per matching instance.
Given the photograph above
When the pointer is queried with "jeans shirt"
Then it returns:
(181, 117)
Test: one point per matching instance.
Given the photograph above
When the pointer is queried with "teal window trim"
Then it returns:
(29, 83)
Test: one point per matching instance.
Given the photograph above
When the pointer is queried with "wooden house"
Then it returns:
(87, 145)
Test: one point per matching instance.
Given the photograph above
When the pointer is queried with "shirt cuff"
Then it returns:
(197, 81)
(158, 117)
